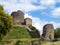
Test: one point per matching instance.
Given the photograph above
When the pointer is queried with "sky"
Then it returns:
(40, 11)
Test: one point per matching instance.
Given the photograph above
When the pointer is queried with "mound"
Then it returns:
(18, 32)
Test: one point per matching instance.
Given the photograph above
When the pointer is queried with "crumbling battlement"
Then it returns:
(18, 19)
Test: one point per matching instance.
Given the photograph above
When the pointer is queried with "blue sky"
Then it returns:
(40, 11)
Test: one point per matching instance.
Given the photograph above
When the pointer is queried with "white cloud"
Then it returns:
(56, 25)
(58, 1)
(56, 12)
(11, 1)
(27, 16)
(47, 2)
(38, 23)
(26, 6)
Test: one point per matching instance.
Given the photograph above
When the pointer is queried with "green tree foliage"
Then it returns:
(57, 33)
(5, 22)
(32, 28)
(1, 8)
(34, 33)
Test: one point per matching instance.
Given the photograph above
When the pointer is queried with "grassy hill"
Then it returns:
(18, 32)
(20, 36)
(17, 35)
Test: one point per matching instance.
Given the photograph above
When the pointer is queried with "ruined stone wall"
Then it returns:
(48, 32)
(18, 17)
(28, 21)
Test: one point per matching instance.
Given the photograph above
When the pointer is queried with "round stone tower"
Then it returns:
(18, 17)
(28, 21)
(48, 32)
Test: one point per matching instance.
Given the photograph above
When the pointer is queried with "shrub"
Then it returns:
(32, 28)
(34, 33)
(57, 33)
(5, 22)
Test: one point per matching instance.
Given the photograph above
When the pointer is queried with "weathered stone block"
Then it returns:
(28, 21)
(48, 32)
(18, 17)
(35, 42)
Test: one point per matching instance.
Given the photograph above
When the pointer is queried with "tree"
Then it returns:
(57, 33)
(32, 28)
(5, 22)
(34, 33)
(1, 8)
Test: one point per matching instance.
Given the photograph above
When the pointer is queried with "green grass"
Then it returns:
(22, 37)
(51, 43)
(18, 41)
(27, 42)
(18, 32)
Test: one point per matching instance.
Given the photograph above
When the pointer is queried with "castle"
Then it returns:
(48, 32)
(18, 19)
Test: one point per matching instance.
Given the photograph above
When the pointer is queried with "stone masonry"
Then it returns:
(28, 21)
(18, 17)
(48, 32)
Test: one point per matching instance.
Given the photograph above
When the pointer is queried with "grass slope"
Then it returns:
(20, 36)
(18, 32)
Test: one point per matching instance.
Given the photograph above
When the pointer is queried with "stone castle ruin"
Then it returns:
(48, 32)
(28, 21)
(18, 17)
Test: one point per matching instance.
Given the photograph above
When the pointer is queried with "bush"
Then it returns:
(57, 33)
(34, 33)
(18, 42)
(32, 28)
(5, 22)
